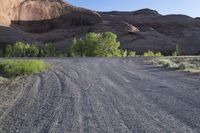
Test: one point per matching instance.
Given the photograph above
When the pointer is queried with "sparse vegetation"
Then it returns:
(93, 45)
(167, 63)
(151, 53)
(10, 68)
(191, 64)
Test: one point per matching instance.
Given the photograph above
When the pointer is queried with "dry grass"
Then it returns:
(186, 63)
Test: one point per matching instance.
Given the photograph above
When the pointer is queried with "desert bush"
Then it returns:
(131, 54)
(49, 50)
(124, 53)
(96, 44)
(158, 54)
(12, 68)
(167, 63)
(32, 51)
(148, 53)
(151, 53)
(185, 66)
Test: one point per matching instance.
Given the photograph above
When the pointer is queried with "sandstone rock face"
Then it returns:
(45, 15)
(42, 21)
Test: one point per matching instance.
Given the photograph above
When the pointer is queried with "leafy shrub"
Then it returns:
(21, 49)
(124, 53)
(96, 44)
(131, 54)
(151, 53)
(32, 51)
(158, 54)
(148, 53)
(12, 68)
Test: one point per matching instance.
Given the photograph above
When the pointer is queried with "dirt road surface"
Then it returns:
(104, 95)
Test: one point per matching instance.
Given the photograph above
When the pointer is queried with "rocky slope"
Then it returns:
(55, 21)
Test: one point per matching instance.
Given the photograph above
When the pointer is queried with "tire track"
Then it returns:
(97, 95)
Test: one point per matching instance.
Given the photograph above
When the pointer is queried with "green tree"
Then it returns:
(49, 50)
(96, 44)
(78, 47)
(32, 51)
(9, 51)
(20, 48)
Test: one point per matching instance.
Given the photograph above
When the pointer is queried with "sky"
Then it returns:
(187, 7)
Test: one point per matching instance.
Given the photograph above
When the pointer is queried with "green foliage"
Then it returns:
(49, 50)
(131, 54)
(9, 51)
(151, 53)
(96, 44)
(158, 54)
(12, 68)
(124, 53)
(78, 48)
(21, 49)
(32, 51)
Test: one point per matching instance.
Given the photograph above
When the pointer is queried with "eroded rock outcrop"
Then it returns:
(45, 15)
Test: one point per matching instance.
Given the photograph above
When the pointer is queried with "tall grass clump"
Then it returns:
(12, 68)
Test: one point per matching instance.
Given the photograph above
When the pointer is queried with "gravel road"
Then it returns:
(104, 95)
